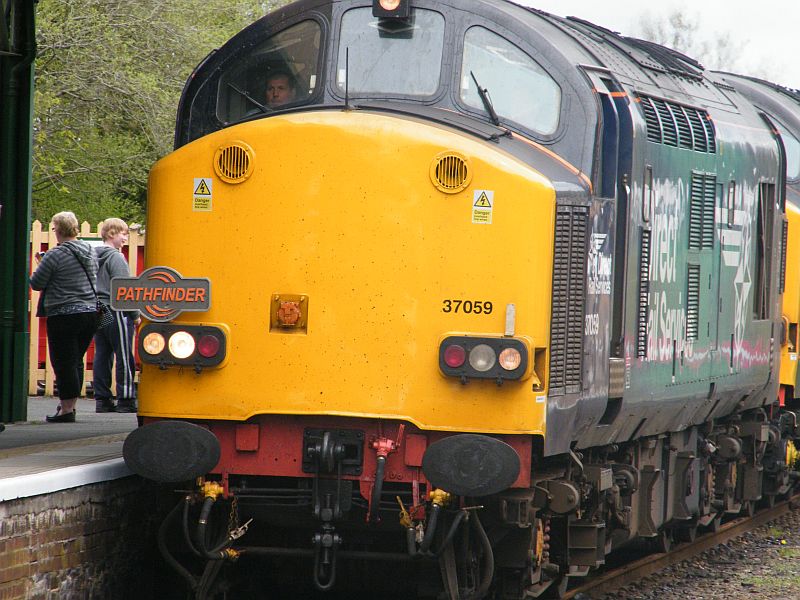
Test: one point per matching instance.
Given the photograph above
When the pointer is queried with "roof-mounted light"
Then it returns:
(391, 9)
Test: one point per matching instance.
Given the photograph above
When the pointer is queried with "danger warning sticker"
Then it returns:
(482, 206)
(201, 196)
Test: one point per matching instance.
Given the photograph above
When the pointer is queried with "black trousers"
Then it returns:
(69, 337)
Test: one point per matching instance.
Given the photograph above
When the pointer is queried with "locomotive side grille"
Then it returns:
(702, 202)
(700, 135)
(709, 210)
(644, 293)
(676, 125)
(450, 172)
(668, 128)
(784, 237)
(684, 128)
(708, 125)
(569, 276)
(651, 119)
(692, 302)
(233, 163)
(696, 213)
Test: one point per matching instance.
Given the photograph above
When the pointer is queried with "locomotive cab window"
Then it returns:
(390, 56)
(792, 146)
(279, 73)
(519, 89)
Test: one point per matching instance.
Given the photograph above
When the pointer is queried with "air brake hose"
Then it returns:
(377, 490)
(411, 542)
(186, 535)
(488, 560)
(431, 529)
(218, 552)
(202, 522)
(448, 539)
(162, 547)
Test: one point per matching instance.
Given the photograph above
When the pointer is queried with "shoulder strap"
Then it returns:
(75, 254)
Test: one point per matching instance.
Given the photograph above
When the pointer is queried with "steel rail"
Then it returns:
(653, 563)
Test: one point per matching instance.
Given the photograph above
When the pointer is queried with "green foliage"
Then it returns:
(109, 74)
(789, 552)
(776, 532)
(714, 49)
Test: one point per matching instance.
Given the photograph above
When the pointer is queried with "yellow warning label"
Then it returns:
(482, 216)
(483, 201)
(202, 189)
(482, 206)
(202, 203)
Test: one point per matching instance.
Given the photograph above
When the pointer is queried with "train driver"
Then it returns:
(281, 89)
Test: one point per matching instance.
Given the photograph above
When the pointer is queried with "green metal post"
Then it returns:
(17, 52)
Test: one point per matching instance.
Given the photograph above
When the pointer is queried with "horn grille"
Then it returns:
(450, 172)
(234, 162)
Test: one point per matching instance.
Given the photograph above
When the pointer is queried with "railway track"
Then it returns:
(653, 563)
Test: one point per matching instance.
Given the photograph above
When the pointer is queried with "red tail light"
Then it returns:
(454, 356)
(208, 346)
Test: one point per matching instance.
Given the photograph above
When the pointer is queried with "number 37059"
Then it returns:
(475, 307)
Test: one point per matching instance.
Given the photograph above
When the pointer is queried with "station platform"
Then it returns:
(40, 458)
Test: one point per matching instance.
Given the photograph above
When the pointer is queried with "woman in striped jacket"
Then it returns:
(66, 276)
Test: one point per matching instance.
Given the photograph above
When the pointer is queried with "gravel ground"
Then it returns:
(761, 564)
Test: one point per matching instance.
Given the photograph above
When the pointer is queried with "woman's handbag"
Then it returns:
(104, 314)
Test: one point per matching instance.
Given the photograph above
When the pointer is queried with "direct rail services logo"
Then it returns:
(160, 294)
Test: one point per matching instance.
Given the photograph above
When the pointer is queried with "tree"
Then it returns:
(683, 33)
(109, 74)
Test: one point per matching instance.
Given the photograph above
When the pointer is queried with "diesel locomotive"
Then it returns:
(488, 294)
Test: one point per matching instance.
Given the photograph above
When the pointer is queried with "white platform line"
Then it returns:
(35, 484)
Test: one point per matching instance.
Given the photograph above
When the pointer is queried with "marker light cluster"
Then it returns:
(171, 344)
(483, 358)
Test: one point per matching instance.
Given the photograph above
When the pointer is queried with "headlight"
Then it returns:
(181, 344)
(178, 344)
(482, 358)
(153, 343)
(498, 358)
(510, 359)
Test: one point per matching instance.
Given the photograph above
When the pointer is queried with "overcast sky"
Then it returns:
(768, 30)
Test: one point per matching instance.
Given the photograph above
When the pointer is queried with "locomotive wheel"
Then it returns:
(557, 589)
(715, 524)
(686, 534)
(662, 542)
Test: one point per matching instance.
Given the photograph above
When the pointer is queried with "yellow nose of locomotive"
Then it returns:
(348, 254)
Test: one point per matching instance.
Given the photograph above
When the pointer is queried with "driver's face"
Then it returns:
(279, 91)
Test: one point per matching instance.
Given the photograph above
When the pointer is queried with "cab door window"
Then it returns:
(280, 72)
(519, 88)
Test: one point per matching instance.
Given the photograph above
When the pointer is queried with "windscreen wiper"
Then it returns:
(247, 96)
(487, 103)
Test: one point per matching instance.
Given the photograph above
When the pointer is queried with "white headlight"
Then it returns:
(181, 344)
(482, 358)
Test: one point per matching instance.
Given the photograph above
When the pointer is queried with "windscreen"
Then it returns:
(519, 89)
(388, 56)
